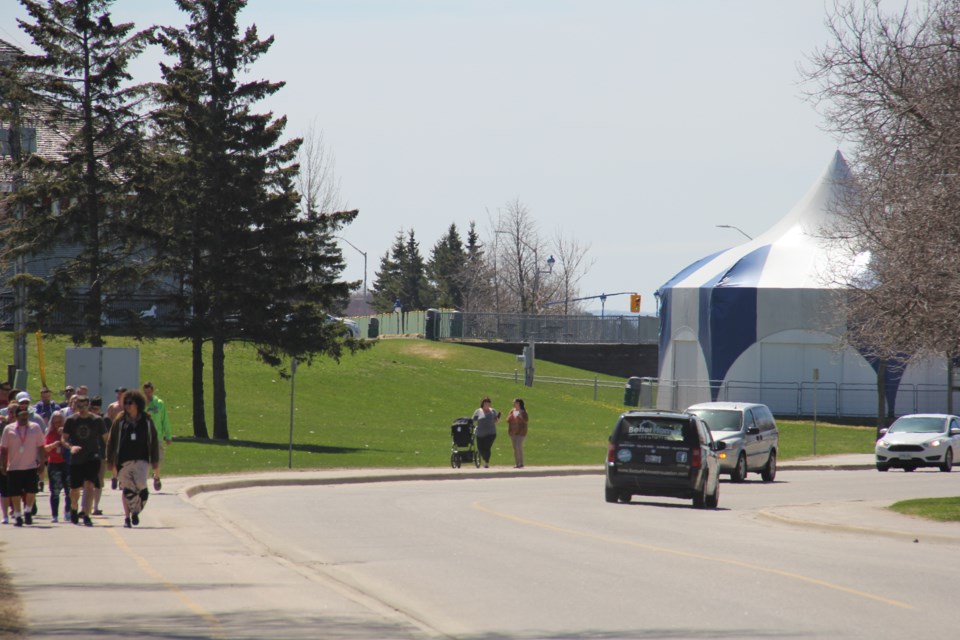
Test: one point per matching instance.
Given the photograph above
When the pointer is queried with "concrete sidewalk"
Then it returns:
(204, 579)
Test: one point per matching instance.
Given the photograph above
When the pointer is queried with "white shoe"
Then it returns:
(53, 519)
(6, 520)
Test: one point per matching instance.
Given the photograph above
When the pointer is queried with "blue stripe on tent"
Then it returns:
(892, 377)
(728, 315)
(682, 275)
(665, 298)
(733, 328)
(747, 270)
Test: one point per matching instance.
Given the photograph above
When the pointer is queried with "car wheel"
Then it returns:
(610, 494)
(700, 500)
(770, 471)
(455, 460)
(947, 462)
(909, 468)
(740, 471)
(882, 467)
(713, 500)
(625, 497)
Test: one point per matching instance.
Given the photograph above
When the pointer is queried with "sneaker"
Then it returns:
(157, 484)
(33, 510)
(19, 522)
(28, 518)
(486, 465)
(40, 487)
(126, 523)
(54, 519)
(135, 519)
(87, 522)
(74, 516)
(6, 520)
(97, 512)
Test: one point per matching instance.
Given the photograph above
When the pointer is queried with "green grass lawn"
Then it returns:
(940, 509)
(390, 406)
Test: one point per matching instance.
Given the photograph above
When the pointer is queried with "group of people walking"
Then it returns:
(75, 444)
(486, 418)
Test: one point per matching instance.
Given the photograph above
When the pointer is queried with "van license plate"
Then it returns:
(651, 459)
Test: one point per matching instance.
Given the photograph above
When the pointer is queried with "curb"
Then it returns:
(850, 528)
(192, 490)
(200, 485)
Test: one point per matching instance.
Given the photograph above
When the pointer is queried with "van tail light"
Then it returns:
(695, 457)
(610, 453)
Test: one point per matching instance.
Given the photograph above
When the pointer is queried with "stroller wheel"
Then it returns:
(455, 460)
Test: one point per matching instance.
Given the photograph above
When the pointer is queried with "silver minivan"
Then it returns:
(750, 433)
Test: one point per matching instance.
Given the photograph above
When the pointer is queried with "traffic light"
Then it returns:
(635, 302)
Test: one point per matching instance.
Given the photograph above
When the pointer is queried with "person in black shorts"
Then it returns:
(83, 435)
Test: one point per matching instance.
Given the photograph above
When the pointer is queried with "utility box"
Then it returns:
(648, 392)
(103, 369)
(631, 392)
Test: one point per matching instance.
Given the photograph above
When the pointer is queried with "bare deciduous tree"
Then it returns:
(891, 84)
(528, 272)
(571, 266)
(317, 182)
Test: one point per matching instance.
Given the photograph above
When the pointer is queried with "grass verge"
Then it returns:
(939, 509)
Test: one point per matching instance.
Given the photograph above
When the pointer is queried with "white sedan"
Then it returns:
(919, 440)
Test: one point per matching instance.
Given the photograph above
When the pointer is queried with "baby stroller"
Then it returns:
(464, 448)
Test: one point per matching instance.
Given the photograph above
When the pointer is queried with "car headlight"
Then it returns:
(935, 443)
(884, 444)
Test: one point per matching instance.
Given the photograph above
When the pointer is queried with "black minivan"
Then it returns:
(663, 453)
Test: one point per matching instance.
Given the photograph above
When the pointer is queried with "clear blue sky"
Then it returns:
(635, 126)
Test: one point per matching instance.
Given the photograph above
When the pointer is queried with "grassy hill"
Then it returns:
(390, 406)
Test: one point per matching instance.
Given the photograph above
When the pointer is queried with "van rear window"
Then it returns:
(646, 429)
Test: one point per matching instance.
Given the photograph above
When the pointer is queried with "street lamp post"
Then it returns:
(364, 254)
(730, 226)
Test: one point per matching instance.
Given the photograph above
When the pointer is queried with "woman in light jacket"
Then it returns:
(517, 420)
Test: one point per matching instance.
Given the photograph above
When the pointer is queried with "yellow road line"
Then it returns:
(144, 564)
(697, 556)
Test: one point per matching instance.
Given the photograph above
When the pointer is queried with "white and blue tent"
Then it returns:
(758, 322)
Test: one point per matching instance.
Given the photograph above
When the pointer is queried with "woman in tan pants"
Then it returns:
(517, 420)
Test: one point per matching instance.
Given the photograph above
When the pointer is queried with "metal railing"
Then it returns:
(838, 399)
(514, 327)
(785, 399)
(600, 388)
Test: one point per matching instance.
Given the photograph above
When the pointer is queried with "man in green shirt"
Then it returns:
(158, 412)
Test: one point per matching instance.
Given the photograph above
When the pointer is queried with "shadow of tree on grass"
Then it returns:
(273, 446)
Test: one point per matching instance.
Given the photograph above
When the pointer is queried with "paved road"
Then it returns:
(430, 558)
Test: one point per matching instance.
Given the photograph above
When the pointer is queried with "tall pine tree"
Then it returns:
(78, 85)
(447, 270)
(252, 268)
(402, 276)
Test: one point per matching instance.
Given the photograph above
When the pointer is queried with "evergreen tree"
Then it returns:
(78, 87)
(415, 293)
(476, 275)
(402, 276)
(446, 270)
(251, 267)
(387, 284)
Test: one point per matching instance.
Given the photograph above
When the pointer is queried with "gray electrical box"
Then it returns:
(103, 369)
